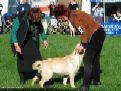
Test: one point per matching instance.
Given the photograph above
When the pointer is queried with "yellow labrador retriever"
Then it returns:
(68, 65)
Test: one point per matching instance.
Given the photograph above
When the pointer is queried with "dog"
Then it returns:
(72, 29)
(68, 65)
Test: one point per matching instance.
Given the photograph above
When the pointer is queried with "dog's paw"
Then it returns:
(73, 86)
(32, 83)
(41, 84)
(64, 83)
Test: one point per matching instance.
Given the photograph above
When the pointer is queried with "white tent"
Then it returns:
(5, 6)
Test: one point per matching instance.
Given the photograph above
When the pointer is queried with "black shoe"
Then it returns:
(84, 88)
(22, 81)
(96, 83)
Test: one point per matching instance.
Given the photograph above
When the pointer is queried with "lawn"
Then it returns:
(59, 46)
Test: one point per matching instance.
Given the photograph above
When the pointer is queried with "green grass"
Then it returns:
(59, 46)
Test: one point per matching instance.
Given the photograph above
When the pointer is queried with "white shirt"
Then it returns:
(117, 18)
(1, 8)
(98, 11)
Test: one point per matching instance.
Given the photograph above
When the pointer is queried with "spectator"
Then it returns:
(92, 39)
(24, 6)
(24, 38)
(117, 16)
(73, 5)
(51, 8)
(98, 13)
(8, 21)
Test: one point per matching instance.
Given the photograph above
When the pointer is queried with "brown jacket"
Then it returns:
(86, 22)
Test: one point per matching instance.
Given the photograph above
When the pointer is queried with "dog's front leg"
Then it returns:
(72, 80)
(34, 80)
(45, 77)
(41, 83)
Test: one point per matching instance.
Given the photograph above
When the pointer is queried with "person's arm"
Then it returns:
(94, 8)
(41, 31)
(84, 40)
(44, 37)
(77, 7)
(43, 34)
(13, 35)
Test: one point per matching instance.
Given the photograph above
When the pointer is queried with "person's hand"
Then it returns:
(96, 6)
(46, 43)
(17, 48)
(81, 48)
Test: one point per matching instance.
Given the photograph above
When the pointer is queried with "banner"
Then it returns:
(112, 28)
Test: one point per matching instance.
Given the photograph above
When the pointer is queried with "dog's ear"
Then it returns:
(76, 51)
(38, 65)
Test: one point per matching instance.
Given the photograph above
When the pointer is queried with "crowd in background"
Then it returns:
(6, 20)
(114, 13)
(116, 16)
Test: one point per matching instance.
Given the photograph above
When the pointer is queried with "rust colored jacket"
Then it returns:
(86, 22)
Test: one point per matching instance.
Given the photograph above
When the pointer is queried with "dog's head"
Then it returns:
(79, 51)
(37, 65)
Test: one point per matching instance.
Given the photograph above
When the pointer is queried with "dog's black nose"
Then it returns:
(81, 52)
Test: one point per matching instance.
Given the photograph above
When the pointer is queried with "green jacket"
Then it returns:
(15, 28)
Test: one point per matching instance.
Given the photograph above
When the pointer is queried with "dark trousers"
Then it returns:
(25, 76)
(92, 56)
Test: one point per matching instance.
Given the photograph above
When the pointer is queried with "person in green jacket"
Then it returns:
(24, 37)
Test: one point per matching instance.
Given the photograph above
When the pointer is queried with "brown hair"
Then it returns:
(34, 14)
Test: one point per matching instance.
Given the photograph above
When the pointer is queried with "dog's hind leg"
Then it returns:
(45, 78)
(71, 76)
(65, 79)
